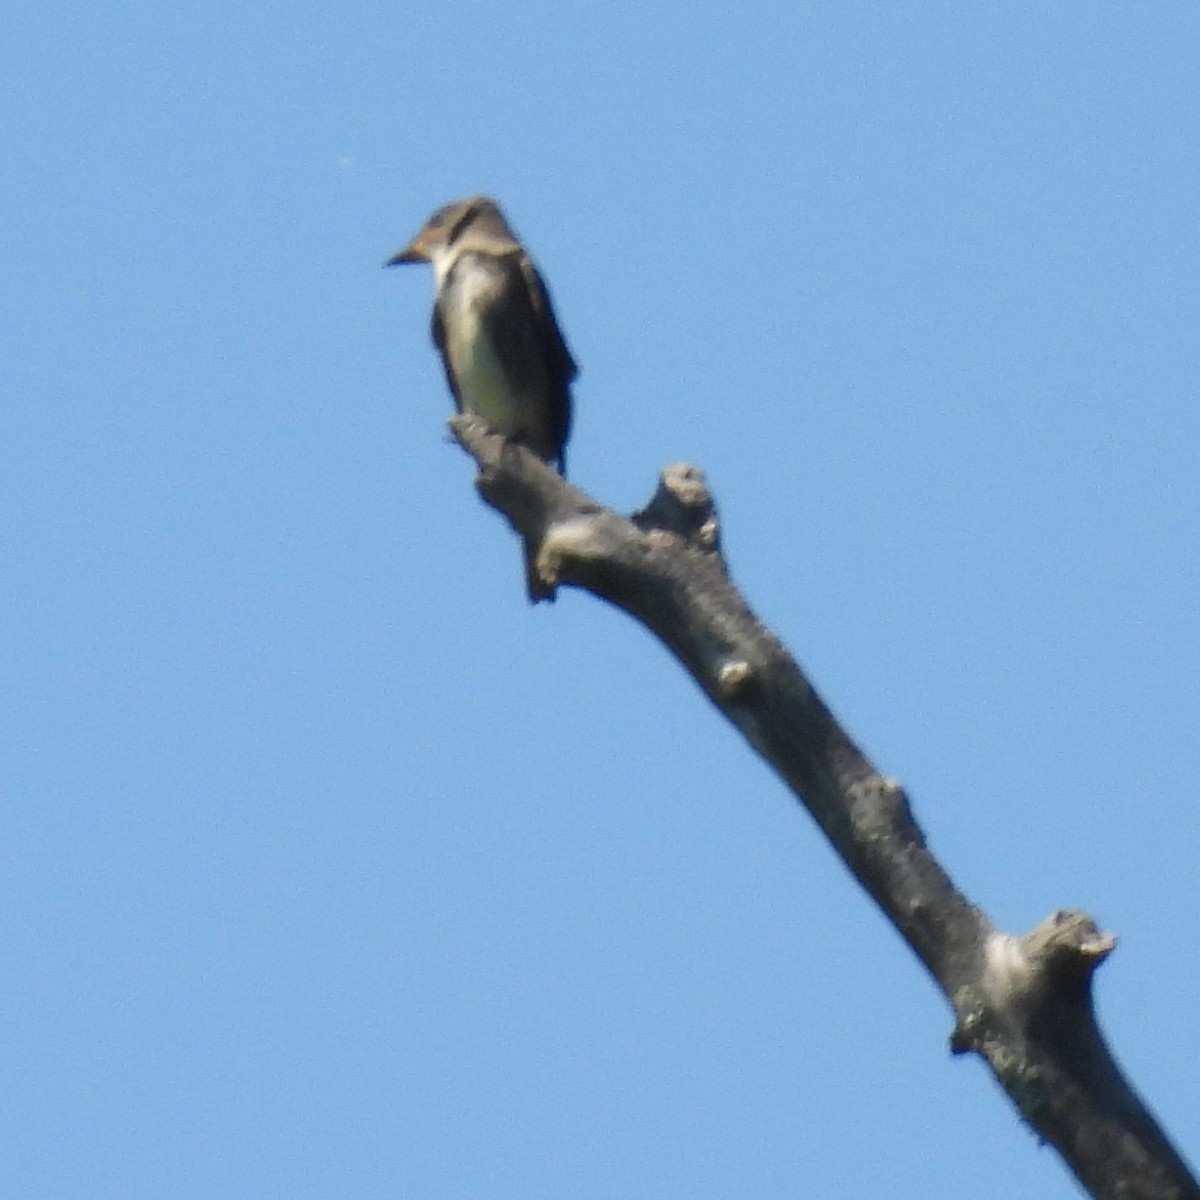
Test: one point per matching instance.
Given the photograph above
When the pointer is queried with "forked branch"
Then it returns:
(1024, 1004)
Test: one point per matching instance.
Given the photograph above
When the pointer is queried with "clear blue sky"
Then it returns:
(330, 868)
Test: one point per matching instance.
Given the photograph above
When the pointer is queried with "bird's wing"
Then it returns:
(438, 330)
(561, 364)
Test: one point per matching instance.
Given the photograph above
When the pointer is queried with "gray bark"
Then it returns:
(1022, 1003)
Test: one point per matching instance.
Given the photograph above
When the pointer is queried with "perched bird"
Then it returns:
(493, 324)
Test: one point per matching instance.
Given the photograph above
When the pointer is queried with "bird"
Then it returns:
(505, 358)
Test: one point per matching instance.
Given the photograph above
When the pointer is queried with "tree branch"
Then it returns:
(1024, 1004)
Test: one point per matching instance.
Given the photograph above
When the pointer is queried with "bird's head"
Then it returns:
(474, 223)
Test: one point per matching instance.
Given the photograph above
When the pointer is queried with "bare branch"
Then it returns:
(1024, 1004)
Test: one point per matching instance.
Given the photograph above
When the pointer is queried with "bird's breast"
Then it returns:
(468, 305)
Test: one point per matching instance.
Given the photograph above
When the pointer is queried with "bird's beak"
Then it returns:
(415, 251)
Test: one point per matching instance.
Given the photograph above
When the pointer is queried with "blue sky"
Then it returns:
(332, 869)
